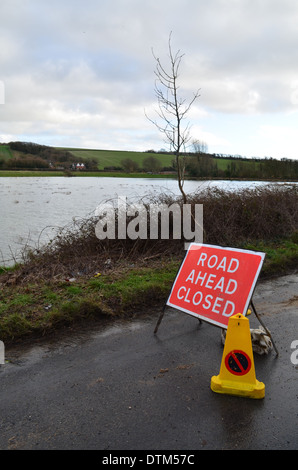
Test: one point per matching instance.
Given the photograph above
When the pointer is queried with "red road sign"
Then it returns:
(214, 283)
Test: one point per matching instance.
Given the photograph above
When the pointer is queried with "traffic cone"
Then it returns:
(237, 372)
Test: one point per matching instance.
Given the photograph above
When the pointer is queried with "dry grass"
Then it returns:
(235, 219)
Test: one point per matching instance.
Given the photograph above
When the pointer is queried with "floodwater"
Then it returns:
(32, 209)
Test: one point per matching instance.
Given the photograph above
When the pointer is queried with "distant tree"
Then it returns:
(91, 164)
(200, 146)
(202, 165)
(26, 162)
(151, 164)
(129, 165)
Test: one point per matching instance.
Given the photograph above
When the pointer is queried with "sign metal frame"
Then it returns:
(201, 317)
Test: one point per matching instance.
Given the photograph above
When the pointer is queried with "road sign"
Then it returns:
(214, 283)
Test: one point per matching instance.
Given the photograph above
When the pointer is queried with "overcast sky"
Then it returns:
(79, 73)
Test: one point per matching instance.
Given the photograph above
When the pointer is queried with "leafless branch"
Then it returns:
(172, 109)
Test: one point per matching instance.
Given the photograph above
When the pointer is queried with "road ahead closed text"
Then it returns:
(214, 283)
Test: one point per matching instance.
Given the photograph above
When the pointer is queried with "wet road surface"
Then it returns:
(120, 387)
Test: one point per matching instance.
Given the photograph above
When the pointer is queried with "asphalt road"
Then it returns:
(120, 387)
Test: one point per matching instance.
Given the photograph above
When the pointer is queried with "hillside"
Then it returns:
(26, 155)
(5, 153)
(113, 158)
(31, 156)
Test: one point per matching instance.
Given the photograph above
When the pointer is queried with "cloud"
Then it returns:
(82, 72)
(283, 138)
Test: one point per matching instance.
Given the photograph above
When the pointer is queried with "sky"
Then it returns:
(80, 73)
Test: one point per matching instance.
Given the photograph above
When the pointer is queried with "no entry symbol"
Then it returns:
(238, 362)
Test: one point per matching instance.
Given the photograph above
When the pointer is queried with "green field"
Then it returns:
(29, 159)
(5, 152)
(108, 158)
(113, 158)
(104, 174)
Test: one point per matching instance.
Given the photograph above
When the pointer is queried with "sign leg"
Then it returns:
(160, 319)
(267, 331)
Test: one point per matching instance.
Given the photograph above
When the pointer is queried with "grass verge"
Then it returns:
(41, 307)
(98, 174)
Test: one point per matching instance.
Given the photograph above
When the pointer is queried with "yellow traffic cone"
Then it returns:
(237, 372)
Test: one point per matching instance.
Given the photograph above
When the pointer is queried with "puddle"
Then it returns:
(33, 351)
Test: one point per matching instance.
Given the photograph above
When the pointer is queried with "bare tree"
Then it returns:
(172, 110)
(200, 146)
